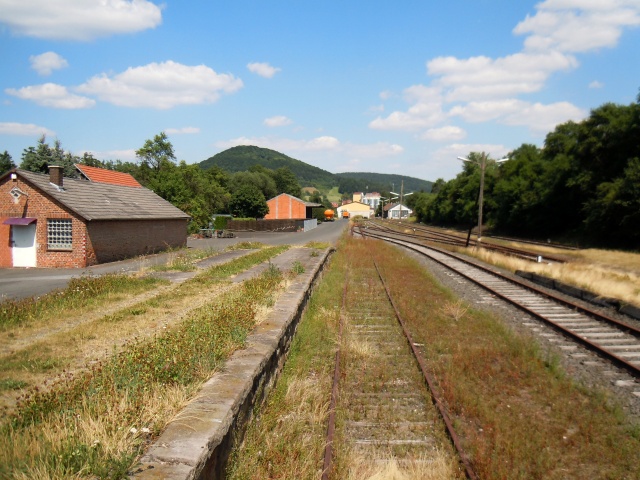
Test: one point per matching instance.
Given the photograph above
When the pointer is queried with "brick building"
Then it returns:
(285, 206)
(48, 221)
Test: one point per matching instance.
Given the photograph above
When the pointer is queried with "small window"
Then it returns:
(59, 234)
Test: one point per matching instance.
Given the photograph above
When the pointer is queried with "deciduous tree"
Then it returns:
(157, 152)
(248, 201)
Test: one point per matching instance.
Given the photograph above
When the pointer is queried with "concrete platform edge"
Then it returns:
(197, 442)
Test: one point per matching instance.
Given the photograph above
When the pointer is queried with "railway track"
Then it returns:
(430, 234)
(609, 338)
(383, 399)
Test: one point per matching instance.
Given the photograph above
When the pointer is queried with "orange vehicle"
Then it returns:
(345, 214)
(328, 215)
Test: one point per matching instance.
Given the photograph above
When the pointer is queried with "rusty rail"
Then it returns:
(331, 428)
(437, 401)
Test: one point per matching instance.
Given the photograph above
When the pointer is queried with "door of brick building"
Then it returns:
(23, 245)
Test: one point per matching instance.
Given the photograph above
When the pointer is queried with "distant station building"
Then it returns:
(395, 211)
(353, 209)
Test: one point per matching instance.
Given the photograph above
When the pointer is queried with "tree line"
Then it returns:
(199, 193)
(582, 186)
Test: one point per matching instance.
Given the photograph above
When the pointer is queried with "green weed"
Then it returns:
(80, 292)
(183, 356)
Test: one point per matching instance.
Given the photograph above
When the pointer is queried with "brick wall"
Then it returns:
(92, 242)
(285, 206)
(40, 206)
(5, 245)
(116, 240)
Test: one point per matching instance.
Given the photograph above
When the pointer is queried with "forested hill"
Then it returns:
(239, 159)
(366, 181)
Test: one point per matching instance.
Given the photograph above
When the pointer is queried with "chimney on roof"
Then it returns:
(55, 175)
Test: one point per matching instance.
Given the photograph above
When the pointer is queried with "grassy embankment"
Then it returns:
(93, 423)
(519, 415)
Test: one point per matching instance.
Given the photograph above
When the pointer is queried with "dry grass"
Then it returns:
(96, 422)
(609, 273)
(589, 270)
(104, 434)
(69, 424)
(438, 466)
(455, 309)
(360, 349)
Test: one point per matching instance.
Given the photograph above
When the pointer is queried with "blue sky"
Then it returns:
(382, 86)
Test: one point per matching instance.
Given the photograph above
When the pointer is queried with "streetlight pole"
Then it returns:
(482, 163)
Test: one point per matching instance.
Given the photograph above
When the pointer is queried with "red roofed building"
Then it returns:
(100, 175)
(51, 221)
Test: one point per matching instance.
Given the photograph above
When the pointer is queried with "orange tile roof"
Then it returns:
(101, 175)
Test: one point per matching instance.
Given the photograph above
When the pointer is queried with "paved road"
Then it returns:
(19, 283)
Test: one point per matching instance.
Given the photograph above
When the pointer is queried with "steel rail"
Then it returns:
(611, 356)
(331, 427)
(452, 239)
(580, 308)
(437, 401)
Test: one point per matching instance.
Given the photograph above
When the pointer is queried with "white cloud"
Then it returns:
(424, 113)
(542, 119)
(24, 129)
(483, 89)
(162, 86)
(263, 69)
(47, 62)
(578, 25)
(538, 117)
(444, 134)
(277, 121)
(596, 84)
(483, 77)
(182, 131)
(51, 95)
(78, 20)
(475, 112)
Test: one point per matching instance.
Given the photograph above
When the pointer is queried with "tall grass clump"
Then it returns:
(80, 292)
(97, 422)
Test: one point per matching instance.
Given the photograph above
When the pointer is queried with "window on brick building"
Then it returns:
(59, 234)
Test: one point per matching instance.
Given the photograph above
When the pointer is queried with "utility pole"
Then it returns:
(401, 195)
(482, 163)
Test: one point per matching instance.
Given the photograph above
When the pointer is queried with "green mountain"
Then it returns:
(366, 181)
(241, 158)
